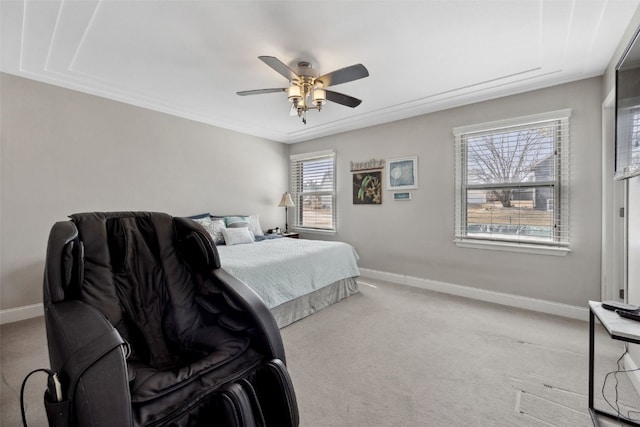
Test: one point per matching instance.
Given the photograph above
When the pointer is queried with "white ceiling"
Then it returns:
(188, 58)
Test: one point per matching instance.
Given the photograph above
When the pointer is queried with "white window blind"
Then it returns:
(313, 189)
(512, 180)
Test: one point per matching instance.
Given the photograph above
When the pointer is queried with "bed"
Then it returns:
(294, 277)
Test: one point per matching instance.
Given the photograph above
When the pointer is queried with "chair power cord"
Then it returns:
(53, 386)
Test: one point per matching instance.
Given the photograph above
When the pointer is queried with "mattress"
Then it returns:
(283, 270)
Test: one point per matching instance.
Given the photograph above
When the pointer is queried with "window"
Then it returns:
(313, 189)
(512, 182)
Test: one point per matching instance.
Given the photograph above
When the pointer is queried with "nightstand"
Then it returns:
(291, 235)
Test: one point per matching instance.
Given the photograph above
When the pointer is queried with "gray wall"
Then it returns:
(63, 152)
(415, 238)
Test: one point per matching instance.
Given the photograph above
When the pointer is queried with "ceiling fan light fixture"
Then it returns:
(319, 97)
(294, 93)
(306, 91)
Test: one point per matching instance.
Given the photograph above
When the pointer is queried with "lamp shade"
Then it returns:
(294, 93)
(286, 201)
(319, 96)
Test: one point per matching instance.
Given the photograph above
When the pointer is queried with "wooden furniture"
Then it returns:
(618, 328)
(291, 235)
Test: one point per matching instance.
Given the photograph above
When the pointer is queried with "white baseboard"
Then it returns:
(534, 304)
(543, 306)
(16, 314)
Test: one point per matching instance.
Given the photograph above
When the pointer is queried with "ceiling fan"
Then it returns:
(305, 84)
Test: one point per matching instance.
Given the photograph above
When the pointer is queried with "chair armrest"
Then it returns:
(87, 352)
(61, 236)
(246, 297)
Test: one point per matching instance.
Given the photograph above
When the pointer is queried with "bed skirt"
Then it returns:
(301, 307)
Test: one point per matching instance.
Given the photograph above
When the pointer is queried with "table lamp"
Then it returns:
(286, 202)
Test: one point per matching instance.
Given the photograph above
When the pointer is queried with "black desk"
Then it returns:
(618, 328)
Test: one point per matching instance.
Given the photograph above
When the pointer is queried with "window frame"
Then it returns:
(295, 160)
(560, 182)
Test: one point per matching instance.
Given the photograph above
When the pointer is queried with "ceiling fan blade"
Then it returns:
(260, 91)
(343, 75)
(340, 98)
(279, 66)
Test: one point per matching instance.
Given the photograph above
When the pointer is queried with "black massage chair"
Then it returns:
(145, 329)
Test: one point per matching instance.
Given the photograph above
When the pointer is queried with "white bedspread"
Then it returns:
(280, 270)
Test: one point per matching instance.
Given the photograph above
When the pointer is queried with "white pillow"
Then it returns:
(254, 225)
(214, 226)
(237, 236)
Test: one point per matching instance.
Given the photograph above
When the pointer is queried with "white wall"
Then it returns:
(633, 242)
(633, 260)
(415, 238)
(65, 152)
(609, 78)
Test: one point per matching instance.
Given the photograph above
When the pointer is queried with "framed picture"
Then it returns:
(402, 174)
(367, 188)
(402, 196)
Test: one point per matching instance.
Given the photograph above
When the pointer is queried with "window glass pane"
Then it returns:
(511, 156)
(317, 175)
(316, 211)
(512, 213)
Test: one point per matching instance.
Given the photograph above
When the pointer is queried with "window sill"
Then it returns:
(512, 247)
(313, 231)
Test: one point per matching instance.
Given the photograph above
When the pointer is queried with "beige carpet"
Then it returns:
(399, 356)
